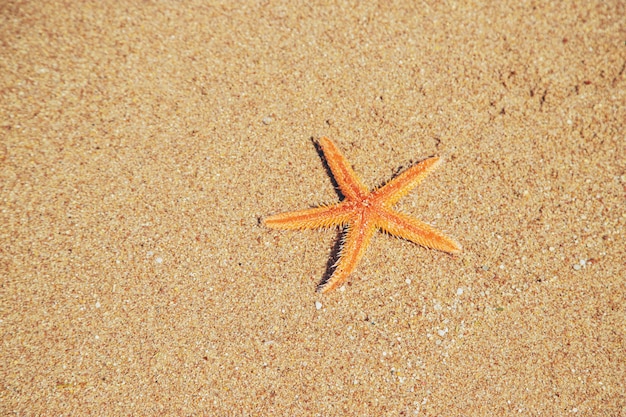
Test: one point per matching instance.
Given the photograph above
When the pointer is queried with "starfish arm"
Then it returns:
(326, 216)
(349, 183)
(400, 186)
(408, 228)
(355, 242)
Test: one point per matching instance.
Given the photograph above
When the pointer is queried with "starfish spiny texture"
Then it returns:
(363, 212)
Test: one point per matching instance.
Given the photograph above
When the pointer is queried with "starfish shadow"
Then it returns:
(320, 152)
(335, 254)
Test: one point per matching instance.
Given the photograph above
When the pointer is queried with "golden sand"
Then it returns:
(142, 143)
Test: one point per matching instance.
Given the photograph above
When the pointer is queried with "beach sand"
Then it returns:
(143, 143)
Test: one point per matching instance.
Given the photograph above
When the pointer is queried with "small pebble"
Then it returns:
(318, 305)
(577, 267)
(267, 120)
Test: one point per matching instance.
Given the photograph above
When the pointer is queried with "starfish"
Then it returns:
(363, 212)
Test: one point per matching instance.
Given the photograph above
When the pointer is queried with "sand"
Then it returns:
(142, 144)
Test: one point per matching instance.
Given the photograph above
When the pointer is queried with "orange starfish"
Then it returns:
(363, 212)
